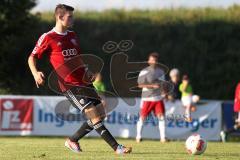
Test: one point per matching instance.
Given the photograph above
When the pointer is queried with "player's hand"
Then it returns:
(39, 78)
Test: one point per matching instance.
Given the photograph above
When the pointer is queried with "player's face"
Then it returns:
(152, 61)
(67, 19)
(185, 82)
(98, 77)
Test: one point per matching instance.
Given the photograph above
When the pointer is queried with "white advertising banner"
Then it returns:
(207, 121)
(36, 115)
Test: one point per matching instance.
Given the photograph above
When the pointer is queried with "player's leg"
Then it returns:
(186, 101)
(188, 117)
(79, 102)
(139, 129)
(87, 100)
(82, 131)
(96, 114)
(238, 118)
(237, 121)
(144, 112)
(72, 141)
(75, 100)
(160, 113)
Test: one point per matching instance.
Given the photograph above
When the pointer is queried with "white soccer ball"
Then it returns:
(196, 144)
(195, 98)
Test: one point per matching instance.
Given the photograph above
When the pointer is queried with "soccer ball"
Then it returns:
(195, 98)
(196, 144)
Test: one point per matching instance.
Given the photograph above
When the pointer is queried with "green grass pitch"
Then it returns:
(52, 148)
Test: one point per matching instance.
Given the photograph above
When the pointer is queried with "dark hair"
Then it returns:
(62, 8)
(185, 77)
(154, 54)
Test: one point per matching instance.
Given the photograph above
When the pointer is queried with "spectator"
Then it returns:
(98, 83)
(174, 75)
(100, 87)
(186, 89)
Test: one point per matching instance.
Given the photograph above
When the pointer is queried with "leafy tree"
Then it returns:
(17, 27)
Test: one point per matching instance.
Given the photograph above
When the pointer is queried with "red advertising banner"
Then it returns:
(16, 114)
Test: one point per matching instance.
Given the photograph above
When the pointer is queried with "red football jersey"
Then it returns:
(64, 54)
(237, 99)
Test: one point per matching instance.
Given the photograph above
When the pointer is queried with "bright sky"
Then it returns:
(99, 5)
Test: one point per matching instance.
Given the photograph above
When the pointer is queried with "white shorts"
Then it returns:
(187, 100)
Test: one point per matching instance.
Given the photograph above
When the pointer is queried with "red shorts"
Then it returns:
(148, 106)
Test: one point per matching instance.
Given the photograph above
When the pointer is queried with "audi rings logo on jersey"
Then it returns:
(69, 52)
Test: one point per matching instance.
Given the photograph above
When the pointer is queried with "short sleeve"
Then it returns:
(40, 47)
(142, 77)
(103, 89)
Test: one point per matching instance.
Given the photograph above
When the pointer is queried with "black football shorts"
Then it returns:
(83, 96)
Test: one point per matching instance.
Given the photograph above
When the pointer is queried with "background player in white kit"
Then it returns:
(152, 100)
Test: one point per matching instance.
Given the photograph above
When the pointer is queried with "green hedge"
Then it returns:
(204, 43)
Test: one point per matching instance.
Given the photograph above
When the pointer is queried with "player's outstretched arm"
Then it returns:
(148, 86)
(38, 76)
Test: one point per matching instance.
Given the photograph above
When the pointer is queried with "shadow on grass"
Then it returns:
(154, 153)
(230, 155)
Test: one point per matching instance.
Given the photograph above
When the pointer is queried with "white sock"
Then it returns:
(188, 112)
(161, 125)
(139, 128)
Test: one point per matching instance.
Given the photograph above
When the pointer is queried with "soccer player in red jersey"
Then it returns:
(62, 48)
(237, 105)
